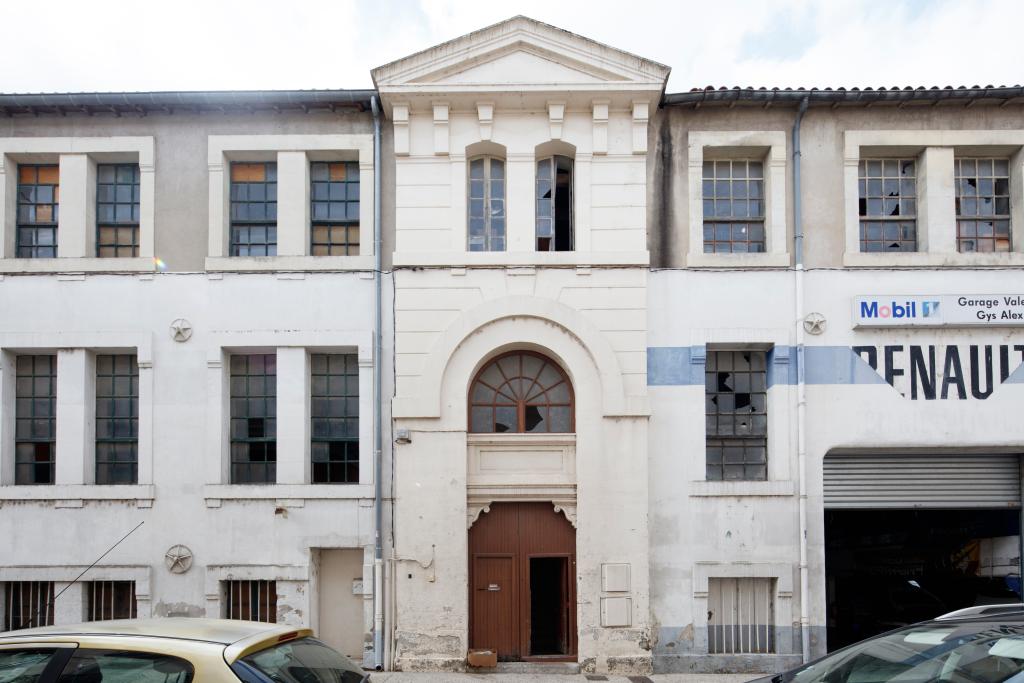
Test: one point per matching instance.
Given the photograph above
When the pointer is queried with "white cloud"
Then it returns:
(264, 44)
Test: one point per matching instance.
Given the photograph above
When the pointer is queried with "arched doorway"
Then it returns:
(522, 550)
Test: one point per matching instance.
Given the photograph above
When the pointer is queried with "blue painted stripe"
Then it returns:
(675, 366)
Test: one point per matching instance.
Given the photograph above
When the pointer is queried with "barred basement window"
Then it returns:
(733, 196)
(741, 616)
(487, 204)
(110, 600)
(35, 424)
(888, 205)
(253, 209)
(117, 210)
(737, 415)
(335, 208)
(28, 604)
(253, 419)
(334, 414)
(554, 204)
(117, 419)
(250, 600)
(38, 209)
(982, 205)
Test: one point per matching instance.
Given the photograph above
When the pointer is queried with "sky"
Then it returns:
(139, 45)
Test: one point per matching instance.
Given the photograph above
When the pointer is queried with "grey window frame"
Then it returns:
(24, 226)
(263, 590)
(242, 442)
(27, 426)
(726, 230)
(733, 446)
(884, 227)
(115, 444)
(131, 224)
(39, 612)
(553, 197)
(238, 223)
(334, 418)
(968, 223)
(492, 218)
(330, 224)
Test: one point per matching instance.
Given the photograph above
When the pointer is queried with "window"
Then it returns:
(554, 204)
(335, 207)
(38, 209)
(334, 412)
(982, 205)
(521, 392)
(733, 196)
(117, 210)
(28, 604)
(250, 600)
(487, 204)
(117, 419)
(125, 666)
(35, 416)
(888, 205)
(253, 419)
(737, 415)
(305, 659)
(110, 600)
(741, 617)
(253, 209)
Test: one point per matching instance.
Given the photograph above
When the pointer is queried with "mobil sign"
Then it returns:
(938, 310)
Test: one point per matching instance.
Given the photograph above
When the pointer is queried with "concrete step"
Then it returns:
(538, 668)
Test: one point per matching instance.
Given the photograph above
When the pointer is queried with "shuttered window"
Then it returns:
(741, 615)
(110, 600)
(28, 604)
(250, 600)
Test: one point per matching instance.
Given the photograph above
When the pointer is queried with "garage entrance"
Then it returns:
(909, 537)
(522, 568)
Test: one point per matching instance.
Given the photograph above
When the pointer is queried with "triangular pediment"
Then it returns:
(520, 52)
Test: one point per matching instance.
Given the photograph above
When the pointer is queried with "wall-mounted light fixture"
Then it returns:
(403, 436)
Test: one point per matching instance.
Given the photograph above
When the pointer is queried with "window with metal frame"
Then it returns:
(38, 210)
(334, 417)
(253, 209)
(888, 205)
(736, 412)
(521, 391)
(35, 419)
(250, 600)
(733, 201)
(741, 616)
(117, 210)
(334, 201)
(28, 604)
(554, 204)
(117, 419)
(486, 204)
(253, 419)
(110, 600)
(982, 205)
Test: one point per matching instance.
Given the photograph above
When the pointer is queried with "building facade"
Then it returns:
(696, 382)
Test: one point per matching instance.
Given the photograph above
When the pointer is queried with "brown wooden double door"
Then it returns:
(522, 583)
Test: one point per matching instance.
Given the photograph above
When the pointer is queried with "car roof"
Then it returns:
(223, 631)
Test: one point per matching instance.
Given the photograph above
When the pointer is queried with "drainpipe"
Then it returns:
(378, 427)
(801, 402)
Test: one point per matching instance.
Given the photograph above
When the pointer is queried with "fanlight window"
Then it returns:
(521, 392)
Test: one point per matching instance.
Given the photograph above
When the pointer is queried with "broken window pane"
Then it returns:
(983, 191)
(736, 414)
(887, 205)
(737, 187)
(521, 392)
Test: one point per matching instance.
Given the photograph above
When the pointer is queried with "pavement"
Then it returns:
(402, 677)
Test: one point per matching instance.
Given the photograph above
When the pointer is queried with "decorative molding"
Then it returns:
(181, 330)
(400, 118)
(600, 114)
(485, 112)
(474, 510)
(441, 128)
(556, 116)
(569, 510)
(641, 115)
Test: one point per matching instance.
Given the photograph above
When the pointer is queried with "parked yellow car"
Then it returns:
(172, 650)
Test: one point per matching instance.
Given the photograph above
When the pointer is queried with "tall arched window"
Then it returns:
(521, 391)
(487, 204)
(554, 204)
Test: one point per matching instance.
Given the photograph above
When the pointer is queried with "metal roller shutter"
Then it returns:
(922, 481)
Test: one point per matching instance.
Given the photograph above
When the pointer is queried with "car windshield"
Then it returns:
(958, 653)
(304, 661)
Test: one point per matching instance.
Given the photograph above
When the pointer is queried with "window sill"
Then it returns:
(721, 489)
(522, 258)
(288, 263)
(931, 260)
(288, 495)
(75, 495)
(77, 265)
(701, 260)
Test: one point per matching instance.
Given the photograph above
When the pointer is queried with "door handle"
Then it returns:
(493, 587)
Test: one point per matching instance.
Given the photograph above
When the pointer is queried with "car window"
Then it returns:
(24, 666)
(303, 661)
(971, 653)
(113, 666)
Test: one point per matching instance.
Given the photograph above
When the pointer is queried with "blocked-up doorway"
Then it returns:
(340, 600)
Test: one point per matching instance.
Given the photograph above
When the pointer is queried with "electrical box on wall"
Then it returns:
(615, 578)
(616, 612)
